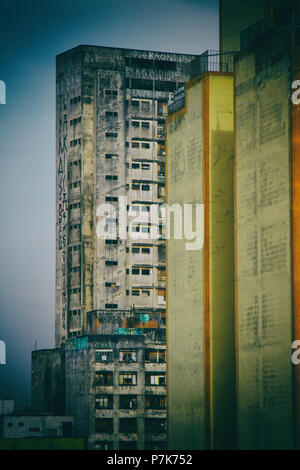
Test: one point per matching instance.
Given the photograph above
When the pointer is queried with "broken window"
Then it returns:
(104, 355)
(128, 425)
(104, 378)
(104, 402)
(127, 378)
(127, 355)
(104, 425)
(128, 402)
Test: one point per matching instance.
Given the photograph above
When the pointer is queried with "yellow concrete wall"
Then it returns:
(263, 250)
(185, 284)
(221, 264)
(200, 333)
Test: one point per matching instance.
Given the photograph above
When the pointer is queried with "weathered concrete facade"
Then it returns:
(111, 107)
(267, 306)
(115, 387)
(200, 322)
(35, 426)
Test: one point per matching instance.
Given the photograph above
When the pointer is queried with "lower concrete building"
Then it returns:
(7, 406)
(34, 425)
(114, 380)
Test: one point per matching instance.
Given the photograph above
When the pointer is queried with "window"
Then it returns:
(135, 271)
(135, 186)
(145, 145)
(110, 262)
(111, 242)
(111, 114)
(146, 251)
(145, 125)
(155, 379)
(75, 100)
(145, 187)
(128, 425)
(75, 142)
(76, 290)
(127, 355)
(104, 425)
(146, 293)
(104, 402)
(76, 184)
(104, 355)
(135, 249)
(111, 305)
(111, 93)
(111, 199)
(128, 402)
(135, 124)
(127, 378)
(155, 402)
(135, 103)
(9, 425)
(145, 166)
(155, 355)
(127, 445)
(74, 313)
(135, 145)
(145, 106)
(135, 166)
(75, 121)
(155, 425)
(135, 292)
(161, 274)
(111, 156)
(76, 205)
(111, 135)
(104, 378)
(111, 177)
(34, 429)
(103, 445)
(146, 272)
(21, 425)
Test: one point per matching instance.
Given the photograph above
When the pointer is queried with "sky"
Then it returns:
(32, 33)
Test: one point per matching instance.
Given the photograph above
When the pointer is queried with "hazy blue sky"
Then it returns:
(32, 33)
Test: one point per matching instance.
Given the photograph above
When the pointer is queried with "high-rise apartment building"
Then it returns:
(111, 108)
